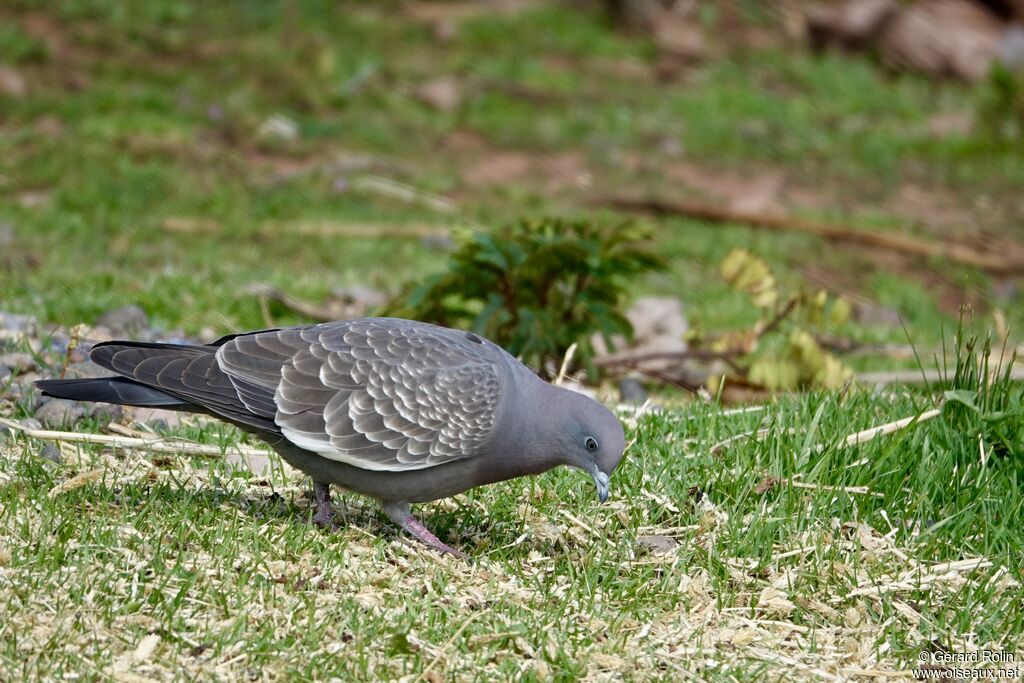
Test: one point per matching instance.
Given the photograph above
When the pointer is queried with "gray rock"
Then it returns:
(59, 413)
(632, 391)
(154, 417)
(28, 378)
(656, 544)
(438, 243)
(443, 93)
(853, 24)
(30, 423)
(16, 323)
(22, 392)
(51, 452)
(17, 362)
(105, 412)
(659, 326)
(55, 343)
(85, 370)
(124, 320)
(5, 374)
(1011, 48)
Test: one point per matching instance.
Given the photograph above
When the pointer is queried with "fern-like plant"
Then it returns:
(536, 287)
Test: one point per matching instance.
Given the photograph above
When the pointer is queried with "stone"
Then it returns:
(12, 83)
(943, 38)
(659, 326)
(16, 323)
(656, 544)
(853, 24)
(679, 36)
(23, 393)
(156, 418)
(438, 243)
(125, 320)
(631, 390)
(86, 369)
(57, 413)
(1011, 47)
(278, 128)
(443, 94)
(51, 452)
(105, 412)
(17, 362)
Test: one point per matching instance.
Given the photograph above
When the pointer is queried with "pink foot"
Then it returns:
(399, 514)
(416, 528)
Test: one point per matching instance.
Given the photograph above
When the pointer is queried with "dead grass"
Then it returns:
(128, 568)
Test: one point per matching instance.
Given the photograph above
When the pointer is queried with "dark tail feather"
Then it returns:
(124, 356)
(119, 390)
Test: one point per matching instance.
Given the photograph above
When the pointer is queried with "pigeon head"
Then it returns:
(590, 437)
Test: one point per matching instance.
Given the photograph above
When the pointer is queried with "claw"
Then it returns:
(399, 514)
(416, 528)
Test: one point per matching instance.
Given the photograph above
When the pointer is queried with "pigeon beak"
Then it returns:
(601, 482)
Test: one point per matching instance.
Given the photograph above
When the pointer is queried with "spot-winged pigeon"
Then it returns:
(402, 411)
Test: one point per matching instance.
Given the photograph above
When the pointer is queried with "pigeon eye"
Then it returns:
(591, 444)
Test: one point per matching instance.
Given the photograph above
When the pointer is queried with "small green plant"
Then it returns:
(537, 287)
(782, 350)
(984, 407)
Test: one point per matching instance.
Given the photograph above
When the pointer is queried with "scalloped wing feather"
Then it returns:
(377, 394)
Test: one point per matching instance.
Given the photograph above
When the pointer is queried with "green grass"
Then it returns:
(846, 574)
(213, 569)
(160, 105)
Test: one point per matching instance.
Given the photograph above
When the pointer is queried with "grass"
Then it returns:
(159, 105)
(181, 568)
(176, 568)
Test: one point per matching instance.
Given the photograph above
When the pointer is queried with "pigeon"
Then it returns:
(398, 410)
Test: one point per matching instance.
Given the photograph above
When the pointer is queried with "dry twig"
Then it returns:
(887, 428)
(1010, 260)
(148, 444)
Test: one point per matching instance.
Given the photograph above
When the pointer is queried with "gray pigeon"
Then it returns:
(399, 410)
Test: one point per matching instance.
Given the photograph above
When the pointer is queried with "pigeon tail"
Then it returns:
(119, 390)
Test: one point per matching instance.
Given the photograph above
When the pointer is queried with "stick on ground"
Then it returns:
(1008, 260)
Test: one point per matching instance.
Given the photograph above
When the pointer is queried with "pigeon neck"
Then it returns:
(542, 447)
(524, 443)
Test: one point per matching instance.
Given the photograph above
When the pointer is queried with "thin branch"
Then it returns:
(857, 490)
(387, 187)
(772, 324)
(887, 428)
(1008, 260)
(155, 445)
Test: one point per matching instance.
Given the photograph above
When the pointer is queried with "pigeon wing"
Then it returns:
(379, 394)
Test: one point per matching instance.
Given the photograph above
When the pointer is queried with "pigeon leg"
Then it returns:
(324, 516)
(400, 515)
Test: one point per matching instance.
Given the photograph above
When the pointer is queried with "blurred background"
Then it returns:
(841, 175)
